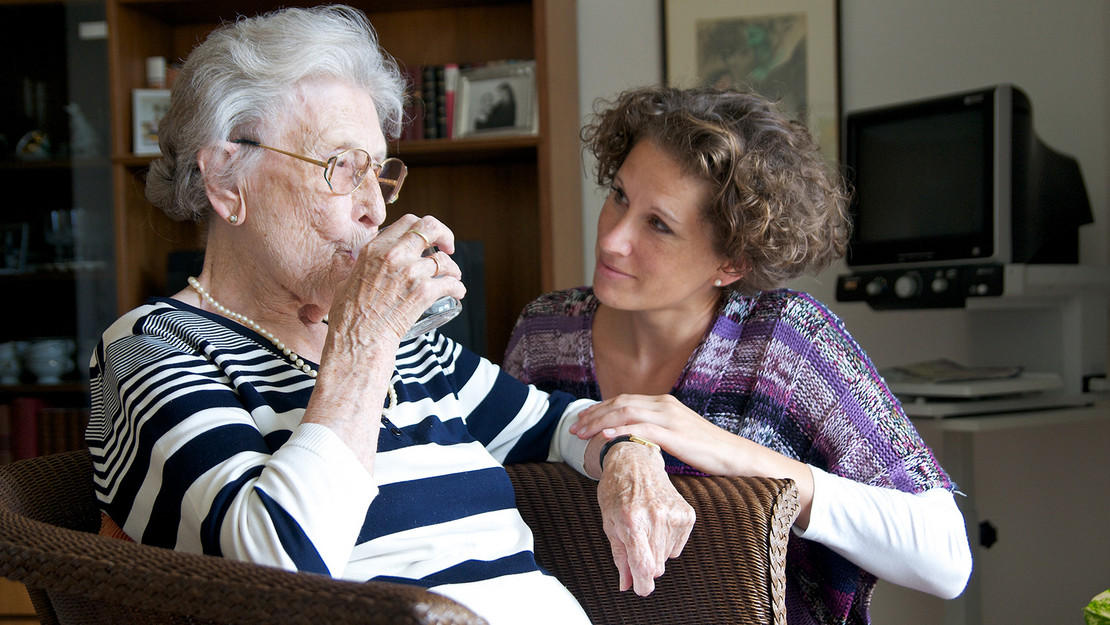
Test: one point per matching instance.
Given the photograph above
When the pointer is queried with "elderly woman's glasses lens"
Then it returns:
(345, 171)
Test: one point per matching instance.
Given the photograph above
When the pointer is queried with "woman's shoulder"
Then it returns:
(165, 323)
(568, 303)
(557, 323)
(806, 317)
(571, 301)
(131, 321)
(786, 305)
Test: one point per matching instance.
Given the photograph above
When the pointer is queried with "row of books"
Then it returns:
(430, 112)
(29, 427)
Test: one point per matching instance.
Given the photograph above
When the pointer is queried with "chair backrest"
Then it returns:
(49, 542)
(732, 569)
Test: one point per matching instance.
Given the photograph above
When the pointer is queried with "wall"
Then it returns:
(895, 50)
(620, 45)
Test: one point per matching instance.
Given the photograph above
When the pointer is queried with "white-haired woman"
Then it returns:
(271, 411)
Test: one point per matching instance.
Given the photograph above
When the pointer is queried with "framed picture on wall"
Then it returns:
(497, 99)
(147, 108)
(785, 50)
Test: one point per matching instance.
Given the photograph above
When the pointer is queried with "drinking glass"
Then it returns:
(440, 312)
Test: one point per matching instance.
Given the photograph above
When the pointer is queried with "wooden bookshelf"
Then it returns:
(519, 195)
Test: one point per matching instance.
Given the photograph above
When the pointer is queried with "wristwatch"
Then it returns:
(624, 438)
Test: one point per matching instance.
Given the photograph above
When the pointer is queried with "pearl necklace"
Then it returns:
(296, 360)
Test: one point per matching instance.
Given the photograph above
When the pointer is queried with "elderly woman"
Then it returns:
(715, 199)
(272, 412)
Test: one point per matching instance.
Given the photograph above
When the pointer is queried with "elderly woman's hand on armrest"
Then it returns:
(646, 520)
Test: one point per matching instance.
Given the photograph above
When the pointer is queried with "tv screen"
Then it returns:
(924, 181)
(953, 147)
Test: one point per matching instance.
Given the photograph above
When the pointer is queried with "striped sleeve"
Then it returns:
(197, 446)
(514, 421)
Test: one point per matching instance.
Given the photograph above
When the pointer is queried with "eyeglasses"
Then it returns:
(345, 171)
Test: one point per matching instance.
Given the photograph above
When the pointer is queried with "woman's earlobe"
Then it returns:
(223, 194)
(729, 273)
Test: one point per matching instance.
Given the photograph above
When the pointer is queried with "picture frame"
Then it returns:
(498, 99)
(785, 50)
(148, 106)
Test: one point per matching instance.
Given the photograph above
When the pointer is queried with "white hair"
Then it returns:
(246, 74)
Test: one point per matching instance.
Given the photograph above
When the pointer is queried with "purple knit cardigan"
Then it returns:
(780, 369)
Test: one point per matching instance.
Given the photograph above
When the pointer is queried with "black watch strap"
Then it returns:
(623, 438)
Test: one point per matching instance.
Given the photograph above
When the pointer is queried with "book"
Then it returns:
(430, 90)
(5, 433)
(413, 116)
(61, 429)
(943, 370)
(24, 426)
(440, 72)
(450, 83)
(414, 107)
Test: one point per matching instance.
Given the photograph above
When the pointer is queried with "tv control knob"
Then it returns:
(939, 284)
(907, 285)
(875, 287)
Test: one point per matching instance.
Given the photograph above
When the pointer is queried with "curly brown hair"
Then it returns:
(780, 210)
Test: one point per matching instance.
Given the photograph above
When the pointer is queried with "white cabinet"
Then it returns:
(1041, 480)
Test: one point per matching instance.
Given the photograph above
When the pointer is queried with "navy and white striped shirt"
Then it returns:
(198, 446)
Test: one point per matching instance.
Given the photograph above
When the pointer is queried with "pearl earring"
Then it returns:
(718, 282)
(234, 219)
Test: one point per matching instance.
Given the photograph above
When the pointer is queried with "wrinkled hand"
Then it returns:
(391, 283)
(645, 518)
(692, 439)
(665, 420)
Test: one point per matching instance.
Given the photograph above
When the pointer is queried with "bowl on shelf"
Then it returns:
(50, 359)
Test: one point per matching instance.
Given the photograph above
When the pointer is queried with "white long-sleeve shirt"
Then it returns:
(914, 540)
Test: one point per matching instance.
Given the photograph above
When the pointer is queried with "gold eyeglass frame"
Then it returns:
(329, 167)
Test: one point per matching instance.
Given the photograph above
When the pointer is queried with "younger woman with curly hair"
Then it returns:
(715, 200)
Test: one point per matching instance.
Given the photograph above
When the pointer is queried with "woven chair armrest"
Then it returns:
(118, 578)
(732, 569)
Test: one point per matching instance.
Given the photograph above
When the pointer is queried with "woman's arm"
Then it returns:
(914, 540)
(918, 541)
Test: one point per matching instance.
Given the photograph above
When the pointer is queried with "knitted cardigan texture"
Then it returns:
(777, 368)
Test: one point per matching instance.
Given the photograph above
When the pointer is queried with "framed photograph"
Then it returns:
(497, 99)
(14, 238)
(785, 50)
(147, 108)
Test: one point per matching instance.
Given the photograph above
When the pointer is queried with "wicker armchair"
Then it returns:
(730, 572)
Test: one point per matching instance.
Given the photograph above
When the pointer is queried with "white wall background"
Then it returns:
(620, 46)
(896, 50)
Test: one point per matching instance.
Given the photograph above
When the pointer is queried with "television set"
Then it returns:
(947, 191)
